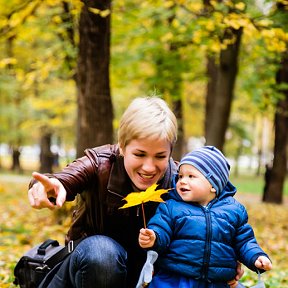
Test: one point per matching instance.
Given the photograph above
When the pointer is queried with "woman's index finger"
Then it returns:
(43, 179)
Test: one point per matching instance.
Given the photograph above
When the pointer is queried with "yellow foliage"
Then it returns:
(210, 25)
(105, 13)
(94, 10)
(214, 3)
(3, 22)
(57, 19)
(275, 39)
(181, 2)
(276, 46)
(150, 194)
(17, 18)
(197, 37)
(168, 4)
(7, 61)
(216, 47)
(250, 31)
(167, 37)
(195, 6)
(228, 41)
(175, 23)
(236, 21)
(240, 6)
(265, 22)
(284, 2)
(218, 17)
(182, 29)
(102, 13)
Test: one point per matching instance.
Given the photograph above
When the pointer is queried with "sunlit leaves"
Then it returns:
(276, 39)
(7, 61)
(236, 21)
(20, 16)
(240, 6)
(37, 61)
(102, 13)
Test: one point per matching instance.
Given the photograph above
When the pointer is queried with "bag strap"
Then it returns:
(61, 254)
(42, 248)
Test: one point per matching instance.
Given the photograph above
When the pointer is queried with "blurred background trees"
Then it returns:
(70, 68)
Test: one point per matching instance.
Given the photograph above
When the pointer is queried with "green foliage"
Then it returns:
(163, 46)
(39, 64)
(155, 45)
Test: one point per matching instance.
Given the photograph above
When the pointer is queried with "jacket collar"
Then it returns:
(119, 182)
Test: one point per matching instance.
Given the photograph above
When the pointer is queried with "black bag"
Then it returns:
(37, 262)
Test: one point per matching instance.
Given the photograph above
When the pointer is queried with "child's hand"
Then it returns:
(146, 238)
(264, 263)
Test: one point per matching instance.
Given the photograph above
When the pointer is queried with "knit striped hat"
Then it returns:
(211, 163)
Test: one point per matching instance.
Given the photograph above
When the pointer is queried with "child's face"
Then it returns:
(146, 161)
(192, 186)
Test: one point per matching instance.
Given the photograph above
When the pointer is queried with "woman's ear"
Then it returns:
(213, 190)
(121, 151)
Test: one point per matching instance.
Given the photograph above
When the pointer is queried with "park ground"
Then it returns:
(22, 227)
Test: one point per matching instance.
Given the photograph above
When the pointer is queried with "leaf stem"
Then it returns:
(143, 212)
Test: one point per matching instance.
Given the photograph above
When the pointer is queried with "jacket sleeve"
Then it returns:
(76, 177)
(161, 223)
(246, 244)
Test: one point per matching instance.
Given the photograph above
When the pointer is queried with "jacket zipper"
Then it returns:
(207, 251)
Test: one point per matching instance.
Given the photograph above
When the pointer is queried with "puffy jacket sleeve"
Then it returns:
(161, 223)
(247, 247)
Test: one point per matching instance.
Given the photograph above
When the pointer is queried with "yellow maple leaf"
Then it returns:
(150, 194)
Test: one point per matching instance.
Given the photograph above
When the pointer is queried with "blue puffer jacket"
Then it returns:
(204, 242)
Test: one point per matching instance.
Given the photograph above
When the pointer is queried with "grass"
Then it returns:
(252, 184)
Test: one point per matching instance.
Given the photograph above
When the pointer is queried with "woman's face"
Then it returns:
(146, 161)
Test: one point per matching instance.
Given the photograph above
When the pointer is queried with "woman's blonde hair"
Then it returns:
(147, 117)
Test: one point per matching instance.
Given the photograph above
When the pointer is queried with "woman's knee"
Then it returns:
(98, 261)
(99, 250)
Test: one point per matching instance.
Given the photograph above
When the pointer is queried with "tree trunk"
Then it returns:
(220, 91)
(275, 185)
(179, 148)
(16, 166)
(15, 122)
(95, 111)
(171, 84)
(46, 156)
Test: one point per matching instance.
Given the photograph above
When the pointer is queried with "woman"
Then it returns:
(109, 255)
